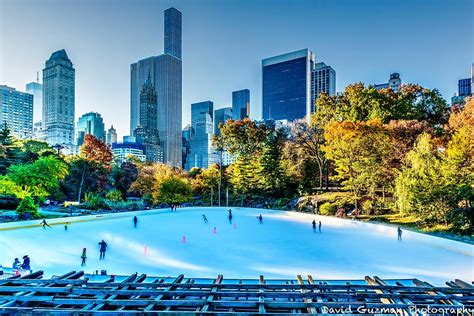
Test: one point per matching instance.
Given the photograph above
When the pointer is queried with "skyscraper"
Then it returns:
(186, 138)
(147, 131)
(16, 111)
(36, 89)
(90, 124)
(464, 87)
(166, 75)
(240, 104)
(58, 100)
(111, 135)
(220, 117)
(286, 86)
(323, 80)
(202, 154)
(173, 32)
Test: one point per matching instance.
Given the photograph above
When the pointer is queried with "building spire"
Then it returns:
(37, 77)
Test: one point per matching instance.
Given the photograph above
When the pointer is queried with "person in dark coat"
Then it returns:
(26, 263)
(319, 226)
(103, 249)
(314, 226)
(260, 218)
(400, 232)
(83, 257)
(135, 221)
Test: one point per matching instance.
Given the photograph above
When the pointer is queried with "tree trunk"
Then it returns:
(80, 187)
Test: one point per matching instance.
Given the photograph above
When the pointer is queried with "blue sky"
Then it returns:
(429, 42)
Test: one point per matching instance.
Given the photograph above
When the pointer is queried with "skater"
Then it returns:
(230, 216)
(319, 226)
(314, 226)
(26, 263)
(400, 232)
(103, 249)
(135, 221)
(83, 257)
(65, 226)
(204, 218)
(16, 264)
(45, 224)
(260, 218)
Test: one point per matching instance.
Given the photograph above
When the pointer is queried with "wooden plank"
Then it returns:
(169, 288)
(463, 284)
(214, 290)
(371, 281)
(261, 298)
(311, 310)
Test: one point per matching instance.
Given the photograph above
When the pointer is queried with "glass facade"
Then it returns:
(16, 110)
(202, 154)
(166, 76)
(91, 124)
(240, 104)
(286, 86)
(464, 87)
(220, 117)
(36, 89)
(323, 80)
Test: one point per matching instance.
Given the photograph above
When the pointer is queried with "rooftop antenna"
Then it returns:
(37, 77)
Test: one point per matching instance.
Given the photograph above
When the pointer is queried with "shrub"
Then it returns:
(328, 209)
(94, 201)
(124, 205)
(114, 195)
(27, 208)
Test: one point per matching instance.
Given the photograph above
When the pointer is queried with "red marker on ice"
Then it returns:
(214, 230)
(184, 239)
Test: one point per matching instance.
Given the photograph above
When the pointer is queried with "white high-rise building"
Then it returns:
(323, 80)
(16, 112)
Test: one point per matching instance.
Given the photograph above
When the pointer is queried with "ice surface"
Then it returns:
(282, 247)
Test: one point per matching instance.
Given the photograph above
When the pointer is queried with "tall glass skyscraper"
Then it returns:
(16, 111)
(286, 86)
(202, 154)
(220, 117)
(36, 89)
(464, 87)
(323, 80)
(58, 100)
(240, 104)
(166, 75)
(91, 124)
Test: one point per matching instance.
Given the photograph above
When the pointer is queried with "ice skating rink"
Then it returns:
(282, 247)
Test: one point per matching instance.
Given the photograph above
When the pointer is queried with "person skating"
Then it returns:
(103, 249)
(319, 226)
(204, 218)
(65, 226)
(83, 257)
(314, 226)
(135, 221)
(45, 224)
(260, 218)
(16, 264)
(26, 265)
(400, 232)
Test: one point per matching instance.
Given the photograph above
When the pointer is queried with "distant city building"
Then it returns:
(122, 150)
(111, 135)
(323, 80)
(166, 76)
(58, 101)
(186, 140)
(16, 111)
(240, 104)
(129, 139)
(464, 87)
(38, 131)
(394, 82)
(286, 83)
(220, 117)
(457, 101)
(36, 89)
(147, 130)
(90, 124)
(202, 154)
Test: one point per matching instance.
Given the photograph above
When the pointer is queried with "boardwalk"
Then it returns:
(77, 292)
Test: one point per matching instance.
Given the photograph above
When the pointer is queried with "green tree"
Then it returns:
(272, 177)
(10, 151)
(123, 175)
(33, 149)
(173, 190)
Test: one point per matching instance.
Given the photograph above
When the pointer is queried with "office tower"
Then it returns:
(472, 79)
(394, 82)
(286, 86)
(16, 111)
(220, 117)
(186, 139)
(240, 104)
(464, 87)
(111, 135)
(90, 124)
(166, 75)
(58, 101)
(202, 154)
(36, 89)
(122, 151)
(38, 131)
(172, 39)
(147, 130)
(323, 80)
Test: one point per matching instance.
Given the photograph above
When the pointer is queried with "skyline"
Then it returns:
(436, 56)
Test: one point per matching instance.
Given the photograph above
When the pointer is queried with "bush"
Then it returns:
(114, 195)
(328, 209)
(461, 220)
(125, 205)
(94, 202)
(27, 208)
